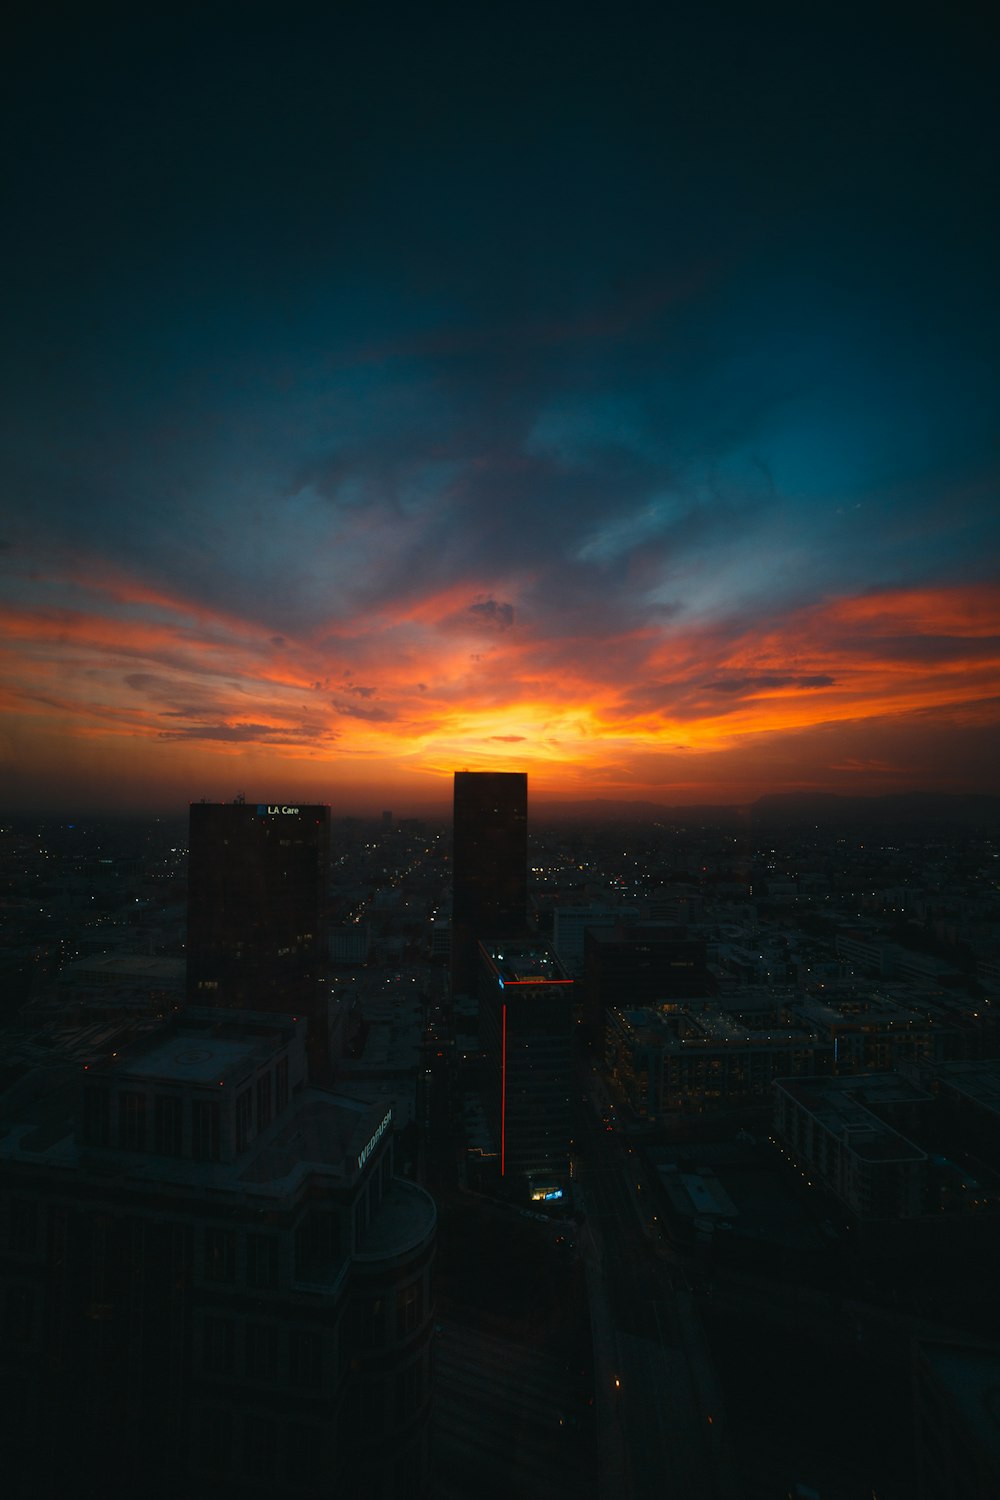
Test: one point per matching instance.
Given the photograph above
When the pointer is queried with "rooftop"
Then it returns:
(203, 1046)
(323, 1131)
(978, 1081)
(125, 966)
(518, 962)
(198, 1060)
(704, 1028)
(839, 1105)
(406, 1216)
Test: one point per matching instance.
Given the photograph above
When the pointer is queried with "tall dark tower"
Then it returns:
(525, 1033)
(256, 936)
(490, 866)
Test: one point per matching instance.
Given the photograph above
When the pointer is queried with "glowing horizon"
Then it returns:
(643, 438)
(163, 691)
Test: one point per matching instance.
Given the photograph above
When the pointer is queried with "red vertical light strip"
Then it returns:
(503, 1089)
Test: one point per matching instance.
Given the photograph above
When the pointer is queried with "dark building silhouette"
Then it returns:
(490, 866)
(639, 963)
(212, 1282)
(955, 1383)
(256, 931)
(525, 1035)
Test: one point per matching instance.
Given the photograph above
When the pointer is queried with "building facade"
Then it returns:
(830, 1129)
(489, 866)
(525, 1034)
(213, 1283)
(669, 1059)
(256, 927)
(569, 929)
(639, 963)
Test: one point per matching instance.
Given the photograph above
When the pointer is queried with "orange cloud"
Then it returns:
(465, 678)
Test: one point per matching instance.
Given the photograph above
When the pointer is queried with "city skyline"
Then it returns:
(611, 400)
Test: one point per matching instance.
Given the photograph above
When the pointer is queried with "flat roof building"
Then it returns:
(830, 1128)
(214, 1282)
(670, 1058)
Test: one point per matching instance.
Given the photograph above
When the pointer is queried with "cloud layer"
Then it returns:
(361, 425)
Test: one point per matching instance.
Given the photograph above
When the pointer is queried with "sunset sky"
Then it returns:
(391, 390)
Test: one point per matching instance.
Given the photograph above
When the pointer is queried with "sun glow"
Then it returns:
(170, 694)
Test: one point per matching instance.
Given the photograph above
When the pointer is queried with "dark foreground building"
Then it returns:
(638, 963)
(256, 929)
(490, 866)
(525, 1035)
(211, 1280)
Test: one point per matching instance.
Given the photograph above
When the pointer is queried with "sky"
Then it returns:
(606, 393)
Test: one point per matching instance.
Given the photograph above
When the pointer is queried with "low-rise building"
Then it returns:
(831, 1131)
(213, 1282)
(672, 1057)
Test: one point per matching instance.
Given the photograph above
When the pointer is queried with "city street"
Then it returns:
(660, 1422)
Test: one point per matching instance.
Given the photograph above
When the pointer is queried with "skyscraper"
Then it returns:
(525, 1034)
(256, 937)
(639, 963)
(490, 866)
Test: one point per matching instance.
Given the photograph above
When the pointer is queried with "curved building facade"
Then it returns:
(221, 1288)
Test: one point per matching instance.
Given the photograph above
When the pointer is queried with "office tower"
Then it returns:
(569, 928)
(214, 1283)
(256, 937)
(490, 866)
(638, 963)
(525, 1035)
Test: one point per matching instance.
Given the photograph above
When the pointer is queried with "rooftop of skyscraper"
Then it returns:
(525, 962)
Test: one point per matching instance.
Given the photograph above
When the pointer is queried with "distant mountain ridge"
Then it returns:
(972, 809)
(969, 809)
